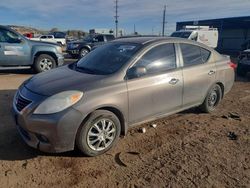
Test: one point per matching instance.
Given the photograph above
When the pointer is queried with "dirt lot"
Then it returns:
(188, 149)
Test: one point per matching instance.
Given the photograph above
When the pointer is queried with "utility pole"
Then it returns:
(134, 30)
(116, 18)
(164, 20)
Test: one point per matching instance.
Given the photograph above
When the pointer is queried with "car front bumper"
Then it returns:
(73, 52)
(51, 133)
(60, 59)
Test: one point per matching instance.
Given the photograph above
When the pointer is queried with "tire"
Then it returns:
(44, 63)
(83, 52)
(90, 141)
(212, 99)
(241, 72)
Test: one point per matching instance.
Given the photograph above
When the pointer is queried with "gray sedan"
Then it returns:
(89, 104)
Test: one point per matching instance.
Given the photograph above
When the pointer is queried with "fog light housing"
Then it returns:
(42, 138)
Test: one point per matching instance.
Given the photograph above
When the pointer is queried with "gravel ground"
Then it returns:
(189, 149)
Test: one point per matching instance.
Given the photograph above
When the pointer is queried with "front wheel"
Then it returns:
(44, 63)
(83, 52)
(212, 99)
(99, 133)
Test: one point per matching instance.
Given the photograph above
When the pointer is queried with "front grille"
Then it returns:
(21, 102)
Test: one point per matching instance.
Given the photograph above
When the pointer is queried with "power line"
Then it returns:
(116, 18)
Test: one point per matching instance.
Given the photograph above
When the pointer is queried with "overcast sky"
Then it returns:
(87, 14)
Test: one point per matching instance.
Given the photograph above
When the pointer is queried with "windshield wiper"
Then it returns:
(84, 69)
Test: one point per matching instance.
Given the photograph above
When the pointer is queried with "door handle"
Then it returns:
(173, 81)
(211, 72)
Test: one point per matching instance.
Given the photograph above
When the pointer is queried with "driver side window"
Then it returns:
(159, 59)
(8, 36)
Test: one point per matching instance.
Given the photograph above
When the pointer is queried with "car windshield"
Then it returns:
(108, 59)
(184, 34)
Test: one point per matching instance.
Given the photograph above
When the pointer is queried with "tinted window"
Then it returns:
(99, 38)
(50, 37)
(59, 35)
(205, 54)
(8, 36)
(110, 37)
(159, 59)
(43, 37)
(181, 34)
(191, 54)
(107, 58)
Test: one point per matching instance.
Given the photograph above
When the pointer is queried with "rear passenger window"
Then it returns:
(159, 59)
(205, 54)
(191, 54)
(194, 55)
(99, 38)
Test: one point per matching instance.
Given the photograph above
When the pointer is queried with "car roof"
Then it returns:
(147, 40)
(152, 40)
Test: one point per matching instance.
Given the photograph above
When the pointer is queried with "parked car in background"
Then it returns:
(120, 84)
(245, 45)
(80, 48)
(16, 51)
(203, 34)
(50, 38)
(244, 63)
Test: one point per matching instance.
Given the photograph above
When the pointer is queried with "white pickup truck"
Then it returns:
(203, 34)
(50, 38)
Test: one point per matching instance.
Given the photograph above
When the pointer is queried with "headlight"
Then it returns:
(74, 45)
(59, 49)
(59, 102)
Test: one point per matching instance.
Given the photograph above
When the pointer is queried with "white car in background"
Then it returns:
(50, 38)
(203, 34)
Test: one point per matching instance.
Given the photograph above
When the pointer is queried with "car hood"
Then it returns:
(61, 79)
(43, 43)
(80, 42)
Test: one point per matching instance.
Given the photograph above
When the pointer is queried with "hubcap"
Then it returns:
(101, 134)
(46, 64)
(212, 100)
(84, 52)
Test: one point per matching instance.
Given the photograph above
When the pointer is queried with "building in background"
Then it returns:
(233, 32)
(106, 31)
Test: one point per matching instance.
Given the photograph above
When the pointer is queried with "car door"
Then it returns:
(159, 91)
(14, 50)
(99, 39)
(198, 73)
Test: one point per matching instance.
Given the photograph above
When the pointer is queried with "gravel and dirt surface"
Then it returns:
(189, 149)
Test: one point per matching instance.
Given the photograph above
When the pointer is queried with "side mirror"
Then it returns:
(136, 72)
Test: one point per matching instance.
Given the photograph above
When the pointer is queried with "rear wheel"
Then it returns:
(99, 133)
(212, 99)
(44, 63)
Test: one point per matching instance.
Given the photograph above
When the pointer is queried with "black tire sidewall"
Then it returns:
(205, 107)
(219, 96)
(81, 139)
(36, 65)
(81, 52)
